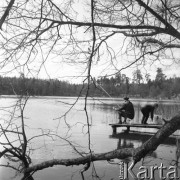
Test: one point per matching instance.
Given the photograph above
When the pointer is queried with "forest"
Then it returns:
(118, 86)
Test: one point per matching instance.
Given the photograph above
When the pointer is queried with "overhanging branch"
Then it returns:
(6, 13)
(135, 153)
(170, 29)
(155, 41)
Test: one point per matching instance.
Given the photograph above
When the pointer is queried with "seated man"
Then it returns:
(126, 111)
(147, 110)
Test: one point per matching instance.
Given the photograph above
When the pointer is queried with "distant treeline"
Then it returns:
(117, 86)
(38, 87)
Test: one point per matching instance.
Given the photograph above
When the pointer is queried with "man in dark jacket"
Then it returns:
(147, 110)
(126, 111)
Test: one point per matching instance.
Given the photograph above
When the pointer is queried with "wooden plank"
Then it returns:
(128, 126)
(137, 125)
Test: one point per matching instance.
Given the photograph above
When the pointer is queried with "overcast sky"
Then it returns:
(55, 68)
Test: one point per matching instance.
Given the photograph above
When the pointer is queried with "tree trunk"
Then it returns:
(135, 153)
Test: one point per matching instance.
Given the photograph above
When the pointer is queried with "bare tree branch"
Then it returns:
(6, 13)
(135, 153)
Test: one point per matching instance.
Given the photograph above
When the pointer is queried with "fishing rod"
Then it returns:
(107, 93)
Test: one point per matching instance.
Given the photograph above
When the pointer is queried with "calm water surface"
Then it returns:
(48, 116)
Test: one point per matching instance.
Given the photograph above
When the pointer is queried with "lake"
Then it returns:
(48, 116)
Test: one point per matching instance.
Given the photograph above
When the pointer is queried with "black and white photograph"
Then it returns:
(89, 89)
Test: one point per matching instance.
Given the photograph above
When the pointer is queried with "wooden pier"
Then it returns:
(128, 126)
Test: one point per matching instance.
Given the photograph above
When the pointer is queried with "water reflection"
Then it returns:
(136, 139)
(168, 153)
(101, 114)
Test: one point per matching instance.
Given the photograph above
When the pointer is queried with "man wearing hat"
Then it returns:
(126, 111)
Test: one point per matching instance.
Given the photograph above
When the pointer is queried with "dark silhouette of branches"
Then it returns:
(6, 12)
(136, 154)
(117, 33)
